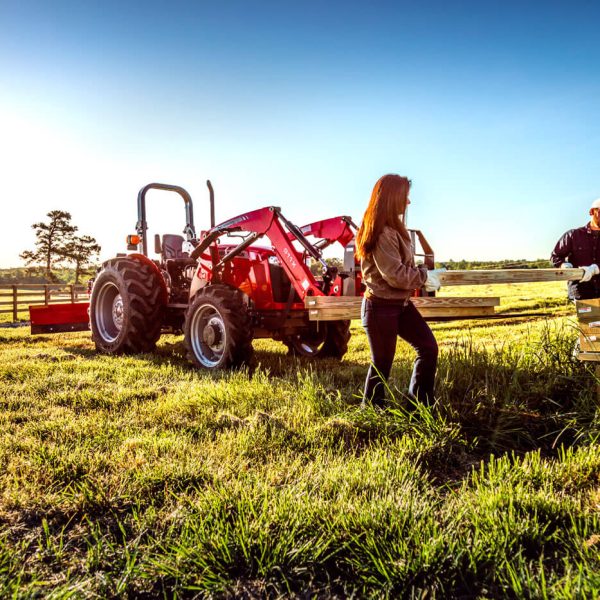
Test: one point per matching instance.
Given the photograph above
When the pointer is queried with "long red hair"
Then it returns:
(386, 207)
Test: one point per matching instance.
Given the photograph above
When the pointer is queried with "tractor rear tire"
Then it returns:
(126, 307)
(327, 340)
(338, 336)
(218, 329)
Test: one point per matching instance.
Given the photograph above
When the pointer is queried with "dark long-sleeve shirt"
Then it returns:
(581, 248)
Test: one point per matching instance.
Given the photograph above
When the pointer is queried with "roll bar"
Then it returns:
(142, 225)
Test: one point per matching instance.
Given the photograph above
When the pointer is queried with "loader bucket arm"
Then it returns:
(342, 230)
(268, 222)
(336, 229)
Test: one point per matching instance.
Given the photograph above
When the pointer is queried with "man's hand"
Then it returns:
(566, 265)
(589, 272)
(432, 283)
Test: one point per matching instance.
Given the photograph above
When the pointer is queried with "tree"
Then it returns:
(52, 241)
(79, 251)
(316, 267)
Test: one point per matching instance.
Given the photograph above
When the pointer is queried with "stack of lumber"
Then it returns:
(588, 314)
(331, 308)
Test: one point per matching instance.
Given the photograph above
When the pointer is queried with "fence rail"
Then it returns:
(16, 298)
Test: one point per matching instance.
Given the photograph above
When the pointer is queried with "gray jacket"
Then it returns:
(389, 273)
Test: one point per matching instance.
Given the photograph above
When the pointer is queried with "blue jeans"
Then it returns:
(383, 322)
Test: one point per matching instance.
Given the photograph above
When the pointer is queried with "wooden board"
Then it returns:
(336, 314)
(589, 329)
(588, 311)
(456, 313)
(332, 308)
(589, 343)
(433, 302)
(589, 356)
(588, 314)
(480, 277)
(421, 301)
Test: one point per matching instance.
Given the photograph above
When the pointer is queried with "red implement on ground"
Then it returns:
(57, 318)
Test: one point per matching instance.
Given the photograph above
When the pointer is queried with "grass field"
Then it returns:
(140, 477)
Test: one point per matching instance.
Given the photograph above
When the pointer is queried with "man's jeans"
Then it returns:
(383, 322)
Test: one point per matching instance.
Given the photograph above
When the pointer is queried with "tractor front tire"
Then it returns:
(218, 329)
(126, 307)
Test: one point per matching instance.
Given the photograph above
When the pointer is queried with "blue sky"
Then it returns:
(491, 108)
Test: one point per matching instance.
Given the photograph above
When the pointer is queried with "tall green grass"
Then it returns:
(141, 477)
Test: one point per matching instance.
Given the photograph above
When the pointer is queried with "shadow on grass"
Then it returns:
(24, 341)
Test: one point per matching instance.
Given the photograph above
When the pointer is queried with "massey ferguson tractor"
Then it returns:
(221, 288)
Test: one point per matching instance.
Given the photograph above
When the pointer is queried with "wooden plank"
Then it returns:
(589, 356)
(421, 301)
(449, 302)
(315, 301)
(589, 302)
(589, 344)
(592, 328)
(323, 308)
(335, 314)
(465, 311)
(15, 303)
(41, 286)
(588, 311)
(476, 277)
(51, 302)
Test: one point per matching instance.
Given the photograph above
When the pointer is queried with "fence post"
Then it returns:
(72, 292)
(15, 296)
(46, 294)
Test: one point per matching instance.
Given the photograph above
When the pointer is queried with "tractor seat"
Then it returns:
(172, 246)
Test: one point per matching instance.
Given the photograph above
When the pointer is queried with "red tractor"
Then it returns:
(222, 290)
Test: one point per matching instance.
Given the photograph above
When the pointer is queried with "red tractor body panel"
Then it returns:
(258, 273)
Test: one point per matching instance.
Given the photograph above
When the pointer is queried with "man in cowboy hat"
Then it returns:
(580, 247)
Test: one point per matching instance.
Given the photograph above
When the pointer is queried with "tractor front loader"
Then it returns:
(267, 287)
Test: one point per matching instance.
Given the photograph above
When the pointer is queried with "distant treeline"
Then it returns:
(468, 265)
(23, 275)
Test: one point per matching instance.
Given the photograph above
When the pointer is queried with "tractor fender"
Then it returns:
(154, 267)
(197, 284)
(202, 276)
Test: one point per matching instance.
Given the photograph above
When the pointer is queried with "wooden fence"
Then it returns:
(16, 298)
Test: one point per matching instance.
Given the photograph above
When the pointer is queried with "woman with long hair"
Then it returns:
(384, 247)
